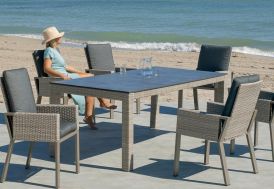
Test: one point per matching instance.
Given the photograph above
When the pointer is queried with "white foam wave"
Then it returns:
(254, 51)
(32, 36)
(181, 47)
(40, 37)
(185, 47)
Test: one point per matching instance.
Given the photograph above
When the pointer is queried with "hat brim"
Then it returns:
(61, 34)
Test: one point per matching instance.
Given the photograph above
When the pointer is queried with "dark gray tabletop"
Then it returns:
(133, 81)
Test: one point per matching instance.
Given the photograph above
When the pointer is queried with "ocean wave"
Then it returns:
(31, 36)
(180, 47)
(185, 47)
(253, 51)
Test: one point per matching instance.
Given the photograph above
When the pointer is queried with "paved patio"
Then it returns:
(153, 158)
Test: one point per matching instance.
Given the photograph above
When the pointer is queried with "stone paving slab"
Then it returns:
(153, 158)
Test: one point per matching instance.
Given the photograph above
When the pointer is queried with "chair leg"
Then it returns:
(154, 111)
(207, 152)
(6, 166)
(180, 98)
(93, 114)
(51, 149)
(272, 139)
(176, 166)
(252, 154)
(29, 155)
(138, 106)
(256, 130)
(195, 96)
(39, 99)
(65, 100)
(232, 146)
(111, 112)
(223, 162)
(77, 153)
(57, 165)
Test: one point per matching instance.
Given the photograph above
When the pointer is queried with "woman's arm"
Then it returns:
(73, 70)
(52, 72)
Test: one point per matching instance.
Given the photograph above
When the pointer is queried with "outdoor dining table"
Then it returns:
(133, 85)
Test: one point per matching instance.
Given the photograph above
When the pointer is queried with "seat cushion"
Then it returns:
(100, 57)
(18, 91)
(214, 58)
(66, 127)
(234, 89)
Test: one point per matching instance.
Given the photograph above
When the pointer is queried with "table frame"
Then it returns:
(127, 99)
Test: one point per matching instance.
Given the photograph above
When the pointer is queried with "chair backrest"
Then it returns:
(99, 56)
(214, 58)
(234, 91)
(38, 57)
(241, 104)
(17, 91)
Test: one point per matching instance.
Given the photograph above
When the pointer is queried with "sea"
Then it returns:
(167, 25)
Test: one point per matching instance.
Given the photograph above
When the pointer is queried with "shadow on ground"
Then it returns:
(2, 119)
(18, 173)
(92, 143)
(164, 169)
(240, 151)
(163, 110)
(188, 169)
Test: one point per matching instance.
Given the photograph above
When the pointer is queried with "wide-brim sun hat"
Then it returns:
(51, 33)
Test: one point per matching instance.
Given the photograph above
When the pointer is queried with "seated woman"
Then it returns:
(55, 66)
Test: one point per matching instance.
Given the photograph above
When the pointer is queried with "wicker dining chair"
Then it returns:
(100, 61)
(36, 123)
(265, 107)
(222, 122)
(42, 81)
(211, 58)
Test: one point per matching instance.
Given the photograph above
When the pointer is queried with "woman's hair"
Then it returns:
(52, 43)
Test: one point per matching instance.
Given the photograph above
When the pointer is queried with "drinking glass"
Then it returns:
(147, 67)
(155, 72)
(123, 69)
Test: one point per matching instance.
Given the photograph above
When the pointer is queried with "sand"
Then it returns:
(16, 52)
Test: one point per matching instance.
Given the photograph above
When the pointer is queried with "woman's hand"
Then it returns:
(65, 77)
(73, 70)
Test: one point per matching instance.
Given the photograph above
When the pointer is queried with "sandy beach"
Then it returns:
(16, 52)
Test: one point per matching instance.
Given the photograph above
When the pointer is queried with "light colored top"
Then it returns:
(58, 62)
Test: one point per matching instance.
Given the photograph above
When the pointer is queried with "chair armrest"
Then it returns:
(198, 113)
(117, 69)
(267, 95)
(265, 110)
(99, 72)
(215, 108)
(238, 74)
(35, 126)
(67, 112)
(128, 69)
(43, 85)
(224, 72)
(199, 124)
(49, 79)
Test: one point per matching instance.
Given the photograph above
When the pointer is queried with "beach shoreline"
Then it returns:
(16, 52)
(153, 46)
